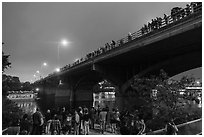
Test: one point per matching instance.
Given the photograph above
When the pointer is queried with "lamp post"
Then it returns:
(63, 43)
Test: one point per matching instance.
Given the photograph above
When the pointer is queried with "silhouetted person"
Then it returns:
(37, 123)
(171, 128)
(25, 125)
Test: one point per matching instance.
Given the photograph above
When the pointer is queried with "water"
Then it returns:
(28, 106)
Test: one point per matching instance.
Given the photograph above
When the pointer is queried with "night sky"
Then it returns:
(32, 31)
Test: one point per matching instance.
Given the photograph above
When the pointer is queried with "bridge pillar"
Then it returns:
(119, 99)
(63, 94)
(83, 97)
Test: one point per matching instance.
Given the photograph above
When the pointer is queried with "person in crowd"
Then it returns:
(166, 19)
(54, 126)
(76, 123)
(142, 31)
(81, 125)
(113, 43)
(37, 123)
(25, 125)
(159, 22)
(124, 128)
(142, 127)
(14, 127)
(92, 117)
(48, 116)
(59, 114)
(175, 13)
(107, 117)
(171, 128)
(121, 42)
(113, 121)
(102, 117)
(64, 114)
(117, 117)
(193, 5)
(86, 119)
(145, 29)
(188, 10)
(135, 125)
(149, 26)
(67, 124)
(129, 36)
(97, 114)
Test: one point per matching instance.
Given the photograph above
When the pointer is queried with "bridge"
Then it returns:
(174, 46)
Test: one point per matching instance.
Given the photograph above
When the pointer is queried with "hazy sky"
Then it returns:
(31, 31)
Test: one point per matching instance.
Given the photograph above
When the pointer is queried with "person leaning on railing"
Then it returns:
(171, 128)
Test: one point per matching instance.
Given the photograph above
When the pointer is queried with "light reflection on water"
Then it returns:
(28, 106)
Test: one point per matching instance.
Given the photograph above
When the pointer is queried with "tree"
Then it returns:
(10, 111)
(162, 99)
(5, 61)
(26, 86)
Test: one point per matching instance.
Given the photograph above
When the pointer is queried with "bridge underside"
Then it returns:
(175, 50)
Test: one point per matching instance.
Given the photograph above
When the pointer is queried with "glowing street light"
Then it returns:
(63, 43)
(37, 89)
(57, 69)
(44, 64)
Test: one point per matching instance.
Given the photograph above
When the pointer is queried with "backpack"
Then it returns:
(54, 126)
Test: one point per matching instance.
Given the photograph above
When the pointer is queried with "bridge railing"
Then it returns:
(189, 128)
(156, 24)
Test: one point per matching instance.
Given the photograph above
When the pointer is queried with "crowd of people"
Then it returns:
(177, 13)
(80, 121)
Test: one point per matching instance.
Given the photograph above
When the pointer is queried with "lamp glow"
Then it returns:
(64, 42)
(44, 64)
(57, 69)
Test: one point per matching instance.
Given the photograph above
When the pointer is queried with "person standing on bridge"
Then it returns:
(166, 19)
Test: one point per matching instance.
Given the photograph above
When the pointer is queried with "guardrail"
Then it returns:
(155, 25)
(4, 132)
(189, 128)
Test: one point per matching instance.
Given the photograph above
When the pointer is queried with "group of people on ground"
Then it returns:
(81, 120)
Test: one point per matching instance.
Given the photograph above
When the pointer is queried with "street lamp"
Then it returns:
(44, 64)
(57, 69)
(64, 43)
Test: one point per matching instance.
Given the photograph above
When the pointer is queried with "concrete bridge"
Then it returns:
(175, 47)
